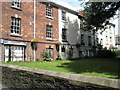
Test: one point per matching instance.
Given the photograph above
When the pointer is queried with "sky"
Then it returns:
(72, 4)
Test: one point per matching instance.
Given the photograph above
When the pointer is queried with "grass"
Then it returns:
(108, 68)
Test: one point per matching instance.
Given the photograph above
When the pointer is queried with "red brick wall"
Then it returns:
(27, 15)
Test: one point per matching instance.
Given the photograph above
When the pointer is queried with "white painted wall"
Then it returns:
(73, 35)
(109, 32)
(72, 25)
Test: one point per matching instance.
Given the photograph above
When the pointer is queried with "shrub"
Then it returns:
(106, 54)
(70, 53)
(117, 53)
(58, 57)
(46, 56)
(37, 59)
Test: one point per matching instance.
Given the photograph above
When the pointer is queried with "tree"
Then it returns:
(97, 15)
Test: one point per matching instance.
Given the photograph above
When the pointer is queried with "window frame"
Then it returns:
(49, 32)
(63, 16)
(89, 41)
(63, 49)
(64, 34)
(15, 26)
(82, 39)
(49, 12)
(49, 50)
(15, 4)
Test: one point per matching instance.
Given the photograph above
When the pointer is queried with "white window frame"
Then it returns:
(82, 38)
(50, 52)
(64, 33)
(48, 32)
(89, 40)
(15, 25)
(63, 15)
(110, 39)
(49, 11)
(106, 40)
(16, 4)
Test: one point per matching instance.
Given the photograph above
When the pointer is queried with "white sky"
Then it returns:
(72, 4)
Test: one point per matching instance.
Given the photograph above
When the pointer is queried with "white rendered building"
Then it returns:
(74, 40)
(107, 37)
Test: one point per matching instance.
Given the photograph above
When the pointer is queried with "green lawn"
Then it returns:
(93, 67)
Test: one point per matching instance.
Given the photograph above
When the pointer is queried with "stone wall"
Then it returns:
(24, 77)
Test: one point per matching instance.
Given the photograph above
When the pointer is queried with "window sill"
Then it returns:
(64, 21)
(49, 39)
(49, 17)
(16, 8)
(64, 41)
(15, 35)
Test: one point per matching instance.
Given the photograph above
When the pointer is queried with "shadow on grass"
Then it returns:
(109, 67)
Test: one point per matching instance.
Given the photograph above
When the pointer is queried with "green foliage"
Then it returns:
(37, 59)
(117, 53)
(106, 54)
(98, 14)
(58, 57)
(70, 53)
(46, 56)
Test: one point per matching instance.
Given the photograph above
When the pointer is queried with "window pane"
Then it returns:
(48, 11)
(15, 27)
(16, 3)
(64, 35)
(48, 31)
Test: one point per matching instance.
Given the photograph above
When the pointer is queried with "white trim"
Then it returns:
(15, 43)
(34, 25)
(49, 17)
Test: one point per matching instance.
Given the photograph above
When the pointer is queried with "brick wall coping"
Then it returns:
(113, 83)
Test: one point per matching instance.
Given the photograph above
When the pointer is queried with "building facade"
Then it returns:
(106, 37)
(118, 36)
(18, 30)
(29, 29)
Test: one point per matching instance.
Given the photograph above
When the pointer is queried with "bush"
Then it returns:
(58, 57)
(106, 54)
(37, 59)
(117, 53)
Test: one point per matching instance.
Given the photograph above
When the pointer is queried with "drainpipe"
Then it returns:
(34, 25)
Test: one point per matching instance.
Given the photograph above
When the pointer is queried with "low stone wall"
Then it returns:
(24, 77)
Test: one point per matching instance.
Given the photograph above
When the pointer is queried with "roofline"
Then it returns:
(62, 7)
(111, 24)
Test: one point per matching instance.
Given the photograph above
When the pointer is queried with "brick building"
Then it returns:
(18, 30)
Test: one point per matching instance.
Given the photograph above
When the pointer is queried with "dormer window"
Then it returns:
(16, 4)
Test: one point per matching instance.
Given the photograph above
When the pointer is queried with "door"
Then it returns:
(6, 53)
(16, 53)
(50, 53)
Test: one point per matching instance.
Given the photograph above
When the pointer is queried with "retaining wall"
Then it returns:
(24, 77)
